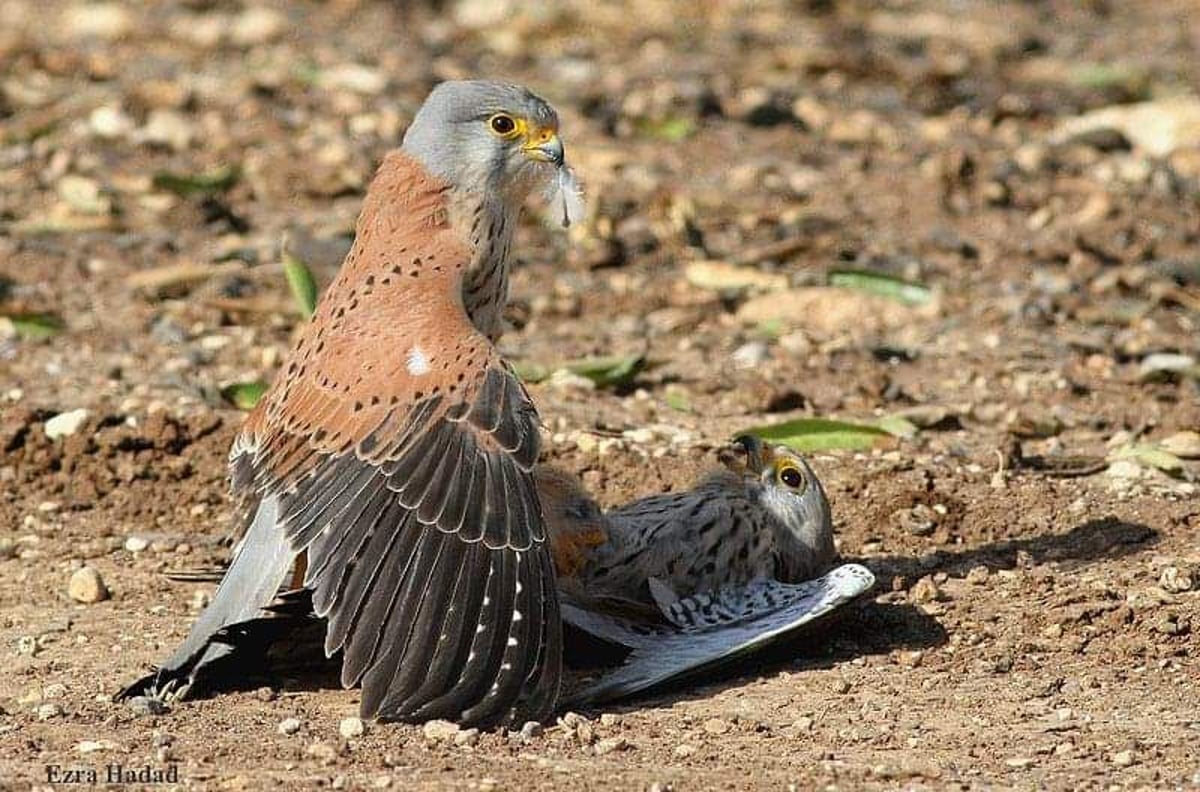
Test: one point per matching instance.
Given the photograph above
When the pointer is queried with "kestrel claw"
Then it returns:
(389, 468)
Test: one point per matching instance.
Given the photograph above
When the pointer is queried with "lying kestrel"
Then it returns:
(693, 580)
(766, 518)
(388, 470)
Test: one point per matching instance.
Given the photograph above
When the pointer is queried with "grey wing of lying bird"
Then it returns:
(708, 631)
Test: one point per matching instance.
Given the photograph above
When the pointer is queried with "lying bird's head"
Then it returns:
(782, 481)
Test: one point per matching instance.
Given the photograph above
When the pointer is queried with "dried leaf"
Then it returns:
(178, 277)
(722, 276)
(881, 285)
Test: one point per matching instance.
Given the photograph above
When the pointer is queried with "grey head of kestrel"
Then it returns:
(781, 480)
(487, 136)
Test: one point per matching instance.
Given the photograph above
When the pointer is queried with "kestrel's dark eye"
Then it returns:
(791, 477)
(502, 124)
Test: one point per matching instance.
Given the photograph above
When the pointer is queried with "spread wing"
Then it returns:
(400, 450)
(711, 631)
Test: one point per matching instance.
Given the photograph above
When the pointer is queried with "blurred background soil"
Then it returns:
(1032, 169)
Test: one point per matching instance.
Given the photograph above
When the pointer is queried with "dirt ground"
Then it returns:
(1036, 620)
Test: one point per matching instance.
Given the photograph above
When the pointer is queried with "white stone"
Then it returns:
(66, 424)
(136, 544)
(351, 728)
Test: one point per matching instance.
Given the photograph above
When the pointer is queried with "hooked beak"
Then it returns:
(758, 453)
(544, 145)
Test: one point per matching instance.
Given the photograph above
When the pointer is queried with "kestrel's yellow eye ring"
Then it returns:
(791, 477)
(503, 125)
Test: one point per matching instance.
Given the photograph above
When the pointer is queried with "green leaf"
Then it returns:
(671, 130)
(531, 372)
(881, 285)
(188, 184)
(1105, 76)
(302, 284)
(607, 371)
(820, 434)
(35, 326)
(244, 395)
(1150, 455)
(770, 329)
(677, 400)
(898, 426)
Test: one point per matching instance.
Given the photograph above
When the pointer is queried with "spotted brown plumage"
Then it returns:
(389, 467)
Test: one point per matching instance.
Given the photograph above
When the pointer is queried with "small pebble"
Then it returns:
(979, 575)
(92, 746)
(87, 586)
(611, 744)
(146, 706)
(1123, 758)
(717, 726)
(322, 751)
(351, 728)
(289, 726)
(530, 730)
(610, 719)
(1174, 580)
(925, 590)
(467, 737)
(440, 731)
(136, 544)
(48, 711)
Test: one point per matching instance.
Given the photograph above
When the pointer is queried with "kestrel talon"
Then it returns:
(388, 470)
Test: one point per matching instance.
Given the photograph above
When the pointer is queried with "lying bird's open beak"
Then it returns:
(758, 453)
(543, 145)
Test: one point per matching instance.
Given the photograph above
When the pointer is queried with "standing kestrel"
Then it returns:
(388, 470)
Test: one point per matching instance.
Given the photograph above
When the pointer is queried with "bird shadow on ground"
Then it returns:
(1099, 539)
(876, 627)
(870, 628)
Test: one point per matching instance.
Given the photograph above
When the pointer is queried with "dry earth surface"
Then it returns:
(1036, 620)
